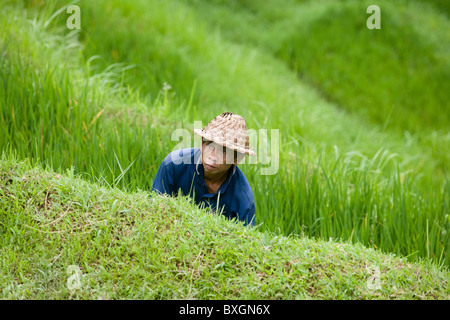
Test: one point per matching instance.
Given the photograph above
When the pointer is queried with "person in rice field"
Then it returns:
(210, 174)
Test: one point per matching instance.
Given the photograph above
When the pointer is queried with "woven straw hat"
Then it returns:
(228, 130)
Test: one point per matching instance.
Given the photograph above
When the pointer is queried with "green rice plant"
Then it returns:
(395, 77)
(133, 246)
(54, 114)
(106, 104)
(357, 203)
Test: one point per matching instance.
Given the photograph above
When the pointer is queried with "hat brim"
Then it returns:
(225, 144)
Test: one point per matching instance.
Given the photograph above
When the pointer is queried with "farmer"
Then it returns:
(210, 174)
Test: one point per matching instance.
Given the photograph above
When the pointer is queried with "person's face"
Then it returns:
(216, 158)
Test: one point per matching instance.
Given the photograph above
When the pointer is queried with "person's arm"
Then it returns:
(249, 215)
(163, 182)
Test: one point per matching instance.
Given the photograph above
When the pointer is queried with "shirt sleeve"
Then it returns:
(163, 182)
(249, 216)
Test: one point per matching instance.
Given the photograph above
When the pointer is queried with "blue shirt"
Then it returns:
(182, 170)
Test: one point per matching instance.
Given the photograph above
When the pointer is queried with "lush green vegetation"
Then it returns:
(128, 245)
(362, 114)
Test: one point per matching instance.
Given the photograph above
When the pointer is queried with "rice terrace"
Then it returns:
(338, 122)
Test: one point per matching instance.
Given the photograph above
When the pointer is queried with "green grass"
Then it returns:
(396, 77)
(134, 246)
(350, 204)
(381, 74)
(94, 101)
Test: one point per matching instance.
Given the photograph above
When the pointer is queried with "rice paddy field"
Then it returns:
(361, 157)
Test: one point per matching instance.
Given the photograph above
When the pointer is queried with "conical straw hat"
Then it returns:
(228, 130)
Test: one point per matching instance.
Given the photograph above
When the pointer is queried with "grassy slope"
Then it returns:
(308, 133)
(128, 245)
(396, 78)
(225, 73)
(220, 86)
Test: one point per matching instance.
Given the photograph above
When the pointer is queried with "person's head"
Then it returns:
(219, 158)
(225, 141)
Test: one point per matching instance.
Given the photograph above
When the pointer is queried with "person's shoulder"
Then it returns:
(181, 156)
(240, 175)
(243, 183)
